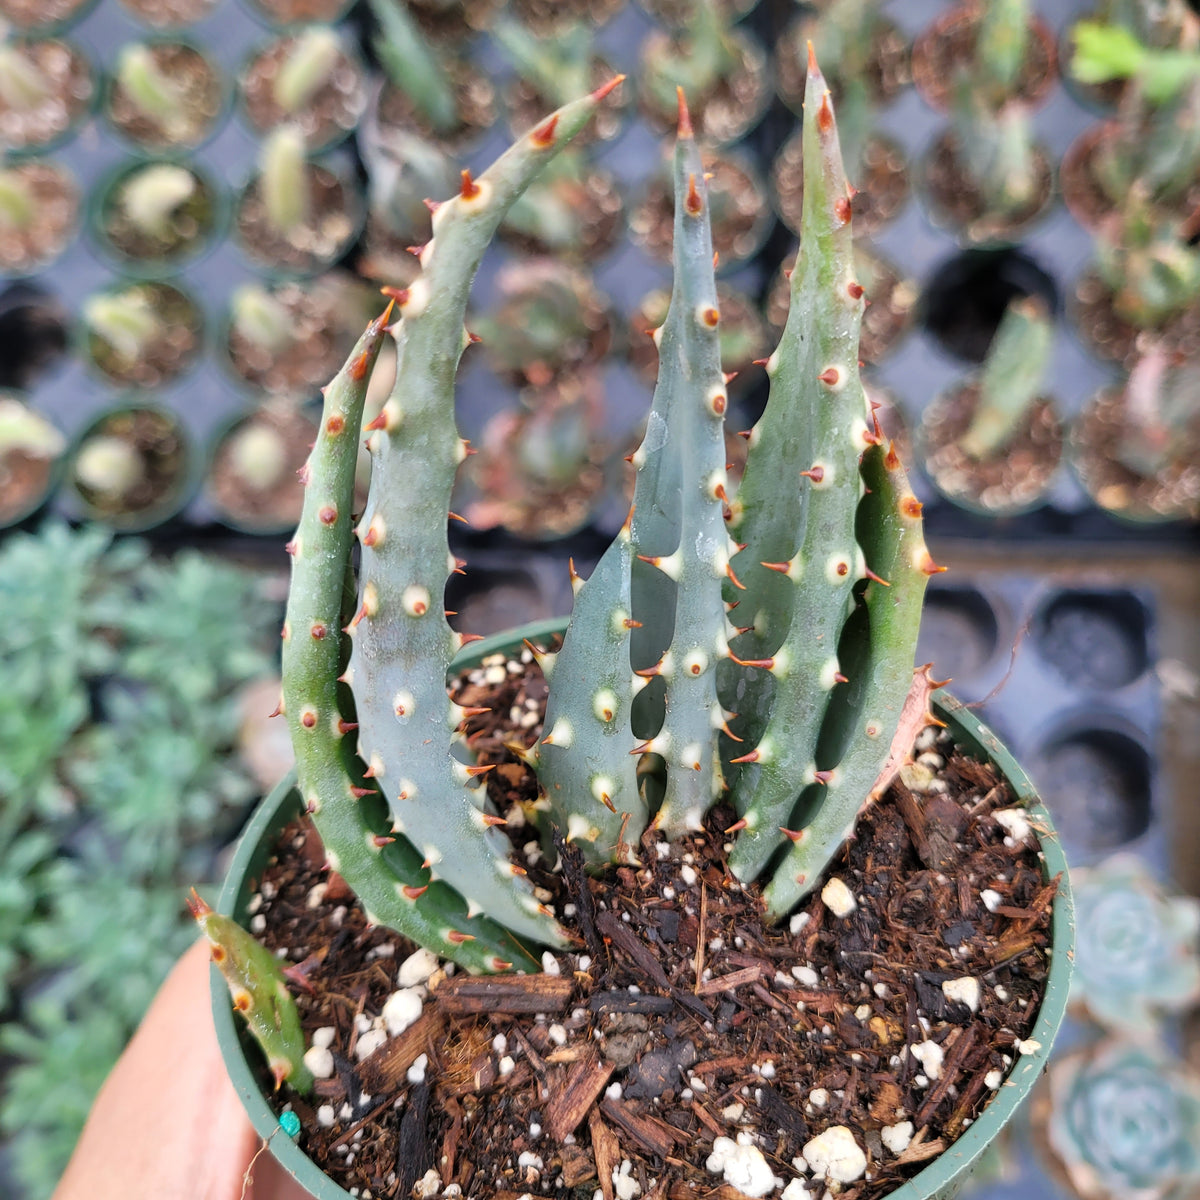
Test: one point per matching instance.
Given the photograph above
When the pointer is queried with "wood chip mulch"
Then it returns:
(680, 1017)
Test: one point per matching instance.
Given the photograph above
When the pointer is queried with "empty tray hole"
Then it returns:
(33, 334)
(1096, 784)
(959, 632)
(966, 298)
(1094, 640)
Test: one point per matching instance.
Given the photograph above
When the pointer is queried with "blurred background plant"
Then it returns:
(120, 781)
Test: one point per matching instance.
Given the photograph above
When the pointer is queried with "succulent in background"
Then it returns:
(284, 185)
(30, 448)
(1110, 51)
(1121, 1119)
(1137, 950)
(721, 69)
(549, 319)
(1147, 263)
(404, 169)
(164, 95)
(995, 441)
(542, 466)
(46, 88)
(144, 334)
(158, 212)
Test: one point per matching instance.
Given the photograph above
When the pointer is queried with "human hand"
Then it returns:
(167, 1124)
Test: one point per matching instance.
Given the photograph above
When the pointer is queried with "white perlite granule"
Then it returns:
(991, 899)
(1014, 821)
(836, 1155)
(993, 1079)
(929, 1055)
(896, 1137)
(838, 898)
(401, 1009)
(319, 1061)
(416, 968)
(369, 1042)
(964, 990)
(625, 1185)
(742, 1165)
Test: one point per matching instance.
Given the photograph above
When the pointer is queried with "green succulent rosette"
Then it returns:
(1124, 1123)
(1137, 957)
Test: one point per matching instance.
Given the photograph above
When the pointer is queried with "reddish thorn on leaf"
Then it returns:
(491, 819)
(469, 189)
(766, 663)
(600, 93)
(871, 575)
(607, 802)
(650, 672)
(474, 771)
(358, 368)
(737, 826)
(929, 567)
(543, 136)
(345, 727)
(291, 547)
(398, 295)
(825, 115)
(380, 840)
(473, 338)
(643, 748)
(455, 517)
(630, 623)
(813, 69)
(456, 938)
(693, 203)
(759, 362)
(278, 711)
(412, 893)
(816, 474)
(911, 507)
(838, 677)
(415, 251)
(379, 422)
(498, 964)
(829, 376)
(737, 583)
(369, 773)
(370, 537)
(432, 205)
(464, 638)
(822, 776)
(303, 474)
(782, 567)
(793, 835)
(359, 792)
(855, 290)
(752, 757)
(745, 433)
(729, 732)
(685, 117)
(841, 210)
(475, 711)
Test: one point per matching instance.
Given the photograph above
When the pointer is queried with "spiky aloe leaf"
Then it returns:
(384, 873)
(890, 528)
(815, 381)
(584, 761)
(402, 642)
(690, 402)
(259, 992)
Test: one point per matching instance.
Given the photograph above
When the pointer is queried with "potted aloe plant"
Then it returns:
(719, 998)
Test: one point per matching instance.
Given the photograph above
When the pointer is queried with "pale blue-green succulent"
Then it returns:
(637, 689)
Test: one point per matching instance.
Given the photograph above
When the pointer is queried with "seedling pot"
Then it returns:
(940, 1180)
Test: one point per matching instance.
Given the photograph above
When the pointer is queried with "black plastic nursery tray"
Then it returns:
(963, 291)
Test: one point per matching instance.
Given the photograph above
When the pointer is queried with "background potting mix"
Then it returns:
(198, 202)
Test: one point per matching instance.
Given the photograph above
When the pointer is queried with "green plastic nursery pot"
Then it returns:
(943, 1178)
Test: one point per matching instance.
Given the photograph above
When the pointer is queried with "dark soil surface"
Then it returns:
(1015, 477)
(165, 357)
(72, 90)
(319, 241)
(160, 444)
(888, 68)
(276, 507)
(474, 93)
(729, 109)
(958, 202)
(450, 24)
(882, 183)
(736, 201)
(680, 1017)
(1095, 439)
(947, 47)
(56, 199)
(328, 115)
(200, 101)
(191, 223)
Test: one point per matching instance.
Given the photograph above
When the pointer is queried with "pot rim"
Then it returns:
(944, 1174)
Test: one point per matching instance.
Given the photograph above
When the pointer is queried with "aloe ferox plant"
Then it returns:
(705, 603)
